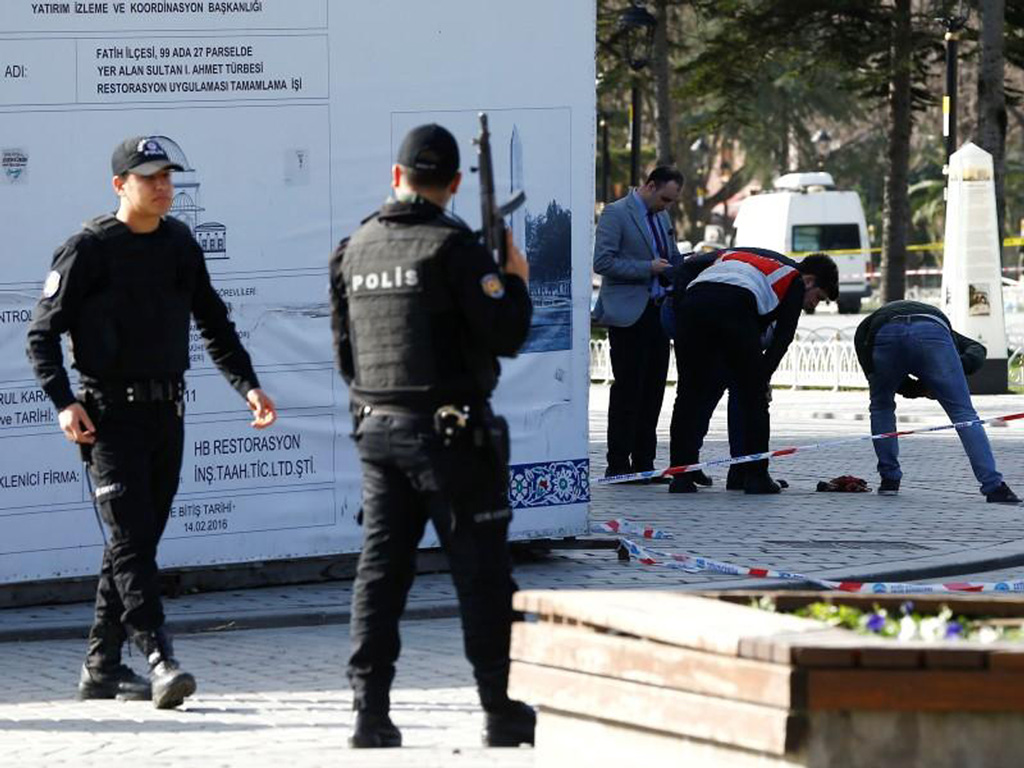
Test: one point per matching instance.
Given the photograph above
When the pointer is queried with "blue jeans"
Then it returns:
(924, 348)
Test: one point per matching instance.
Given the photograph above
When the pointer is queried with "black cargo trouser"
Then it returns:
(135, 465)
(409, 478)
(718, 345)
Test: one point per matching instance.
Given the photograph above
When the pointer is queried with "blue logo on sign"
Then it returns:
(879, 589)
(1002, 586)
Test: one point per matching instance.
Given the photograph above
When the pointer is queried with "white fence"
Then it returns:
(819, 358)
(825, 357)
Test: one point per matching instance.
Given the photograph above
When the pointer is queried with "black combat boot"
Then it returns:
(374, 730)
(103, 674)
(171, 684)
(509, 725)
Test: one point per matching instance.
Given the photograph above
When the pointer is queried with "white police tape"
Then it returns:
(697, 564)
(796, 449)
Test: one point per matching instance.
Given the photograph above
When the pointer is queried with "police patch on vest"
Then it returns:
(386, 280)
(52, 285)
(492, 285)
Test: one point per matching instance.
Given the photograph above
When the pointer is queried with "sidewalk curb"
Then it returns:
(998, 559)
(220, 623)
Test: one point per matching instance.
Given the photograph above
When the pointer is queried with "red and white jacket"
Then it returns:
(766, 278)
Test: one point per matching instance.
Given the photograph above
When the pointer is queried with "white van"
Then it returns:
(805, 212)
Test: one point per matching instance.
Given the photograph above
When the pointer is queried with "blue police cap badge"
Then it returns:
(150, 147)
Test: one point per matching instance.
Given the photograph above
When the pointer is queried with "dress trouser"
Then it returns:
(403, 488)
(718, 344)
(135, 465)
(639, 355)
(735, 417)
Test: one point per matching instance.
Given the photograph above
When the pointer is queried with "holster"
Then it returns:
(474, 467)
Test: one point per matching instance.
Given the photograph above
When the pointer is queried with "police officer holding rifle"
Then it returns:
(421, 312)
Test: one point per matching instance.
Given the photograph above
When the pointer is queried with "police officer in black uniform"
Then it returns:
(125, 289)
(421, 312)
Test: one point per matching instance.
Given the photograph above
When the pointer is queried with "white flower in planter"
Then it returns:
(932, 628)
(988, 635)
(908, 628)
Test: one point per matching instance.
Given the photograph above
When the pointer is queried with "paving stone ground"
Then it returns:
(277, 694)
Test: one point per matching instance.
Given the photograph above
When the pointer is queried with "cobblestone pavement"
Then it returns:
(278, 693)
(266, 697)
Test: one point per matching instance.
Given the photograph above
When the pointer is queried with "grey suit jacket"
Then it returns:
(623, 252)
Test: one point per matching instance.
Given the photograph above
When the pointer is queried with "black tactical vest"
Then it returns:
(409, 344)
(136, 324)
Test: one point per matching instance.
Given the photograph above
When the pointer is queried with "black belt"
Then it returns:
(917, 318)
(141, 390)
(449, 421)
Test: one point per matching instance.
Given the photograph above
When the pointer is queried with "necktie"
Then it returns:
(659, 239)
(657, 289)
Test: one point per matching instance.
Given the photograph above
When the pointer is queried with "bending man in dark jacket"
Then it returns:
(736, 314)
(906, 339)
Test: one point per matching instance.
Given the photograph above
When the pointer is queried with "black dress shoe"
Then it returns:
(511, 725)
(682, 484)
(761, 484)
(734, 480)
(374, 731)
(700, 478)
(661, 480)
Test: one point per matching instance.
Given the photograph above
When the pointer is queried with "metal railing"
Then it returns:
(819, 358)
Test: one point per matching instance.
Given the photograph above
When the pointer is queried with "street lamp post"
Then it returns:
(953, 16)
(636, 25)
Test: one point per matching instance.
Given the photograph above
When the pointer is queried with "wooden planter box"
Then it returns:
(624, 677)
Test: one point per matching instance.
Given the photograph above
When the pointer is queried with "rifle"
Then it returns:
(492, 215)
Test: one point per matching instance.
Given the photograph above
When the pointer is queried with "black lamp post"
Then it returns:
(636, 26)
(953, 15)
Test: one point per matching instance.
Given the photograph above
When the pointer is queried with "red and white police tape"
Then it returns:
(619, 526)
(795, 449)
(696, 564)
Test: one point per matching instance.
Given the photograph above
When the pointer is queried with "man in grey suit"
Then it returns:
(634, 247)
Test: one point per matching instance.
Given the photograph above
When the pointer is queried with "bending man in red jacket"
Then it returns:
(736, 314)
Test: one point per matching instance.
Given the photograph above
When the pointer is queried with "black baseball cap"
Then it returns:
(431, 151)
(142, 155)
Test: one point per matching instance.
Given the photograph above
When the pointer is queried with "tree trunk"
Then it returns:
(992, 116)
(897, 201)
(662, 87)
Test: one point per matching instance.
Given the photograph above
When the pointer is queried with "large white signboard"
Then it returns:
(286, 115)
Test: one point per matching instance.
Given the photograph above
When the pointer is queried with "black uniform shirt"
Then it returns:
(126, 299)
(481, 311)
